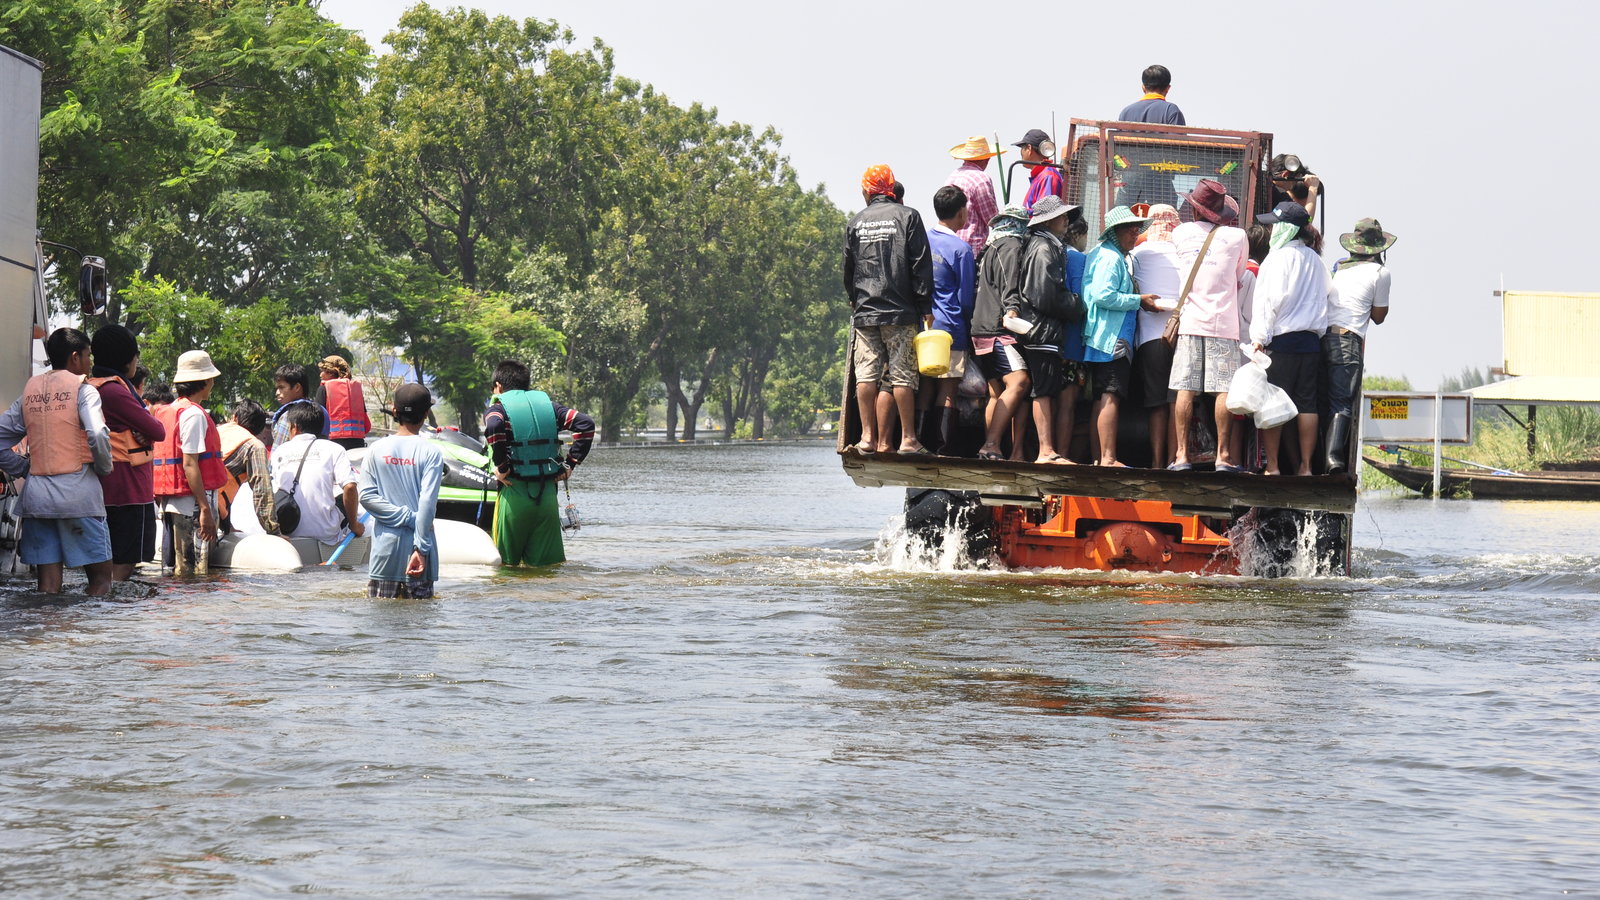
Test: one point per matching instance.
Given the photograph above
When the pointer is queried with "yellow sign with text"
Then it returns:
(1391, 408)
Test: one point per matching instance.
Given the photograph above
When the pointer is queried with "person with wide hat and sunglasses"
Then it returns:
(1361, 285)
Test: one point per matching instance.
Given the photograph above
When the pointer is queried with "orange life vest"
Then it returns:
(347, 409)
(57, 443)
(169, 477)
(127, 446)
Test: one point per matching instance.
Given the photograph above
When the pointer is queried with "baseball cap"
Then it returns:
(1035, 136)
(412, 399)
(1288, 211)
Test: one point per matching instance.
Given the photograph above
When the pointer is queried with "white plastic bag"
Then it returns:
(1248, 391)
(1278, 409)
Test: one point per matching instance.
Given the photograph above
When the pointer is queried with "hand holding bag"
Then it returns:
(1169, 334)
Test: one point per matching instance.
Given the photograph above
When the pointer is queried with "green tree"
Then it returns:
(205, 143)
(246, 342)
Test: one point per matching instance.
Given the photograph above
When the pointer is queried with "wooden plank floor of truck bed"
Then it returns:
(1207, 493)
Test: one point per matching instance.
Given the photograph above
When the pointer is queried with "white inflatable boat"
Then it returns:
(460, 544)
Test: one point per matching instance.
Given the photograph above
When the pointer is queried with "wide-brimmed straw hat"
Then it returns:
(1049, 207)
(195, 365)
(975, 147)
(1119, 215)
(1369, 239)
(1210, 201)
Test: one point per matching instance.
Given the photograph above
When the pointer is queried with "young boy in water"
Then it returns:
(399, 486)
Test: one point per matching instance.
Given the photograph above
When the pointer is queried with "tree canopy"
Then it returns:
(487, 189)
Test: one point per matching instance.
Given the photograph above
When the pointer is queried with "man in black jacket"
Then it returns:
(1051, 306)
(888, 275)
(995, 349)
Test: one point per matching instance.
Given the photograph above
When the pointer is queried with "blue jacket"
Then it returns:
(1109, 295)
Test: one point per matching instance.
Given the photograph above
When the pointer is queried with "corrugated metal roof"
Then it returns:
(1540, 390)
(1551, 333)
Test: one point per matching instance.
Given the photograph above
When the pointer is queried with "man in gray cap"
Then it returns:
(399, 486)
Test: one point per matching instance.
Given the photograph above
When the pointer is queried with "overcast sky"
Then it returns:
(1468, 130)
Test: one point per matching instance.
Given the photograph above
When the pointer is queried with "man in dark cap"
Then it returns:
(1044, 179)
(399, 487)
(129, 488)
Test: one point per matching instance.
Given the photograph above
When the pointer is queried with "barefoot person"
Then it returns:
(69, 450)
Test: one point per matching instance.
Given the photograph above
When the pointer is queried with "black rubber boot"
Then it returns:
(1339, 444)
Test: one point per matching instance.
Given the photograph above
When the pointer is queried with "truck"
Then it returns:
(1026, 515)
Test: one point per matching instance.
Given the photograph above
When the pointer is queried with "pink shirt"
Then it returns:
(975, 183)
(1212, 309)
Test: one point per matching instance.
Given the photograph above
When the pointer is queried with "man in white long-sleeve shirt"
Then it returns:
(69, 447)
(1289, 317)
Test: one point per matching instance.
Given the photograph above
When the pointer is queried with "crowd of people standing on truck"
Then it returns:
(116, 470)
(1150, 312)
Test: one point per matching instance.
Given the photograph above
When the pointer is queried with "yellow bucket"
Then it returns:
(933, 352)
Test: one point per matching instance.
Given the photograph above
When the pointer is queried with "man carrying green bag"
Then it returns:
(522, 428)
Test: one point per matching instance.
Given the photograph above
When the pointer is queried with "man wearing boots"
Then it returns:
(1361, 295)
(955, 277)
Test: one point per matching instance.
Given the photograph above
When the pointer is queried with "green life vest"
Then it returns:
(535, 446)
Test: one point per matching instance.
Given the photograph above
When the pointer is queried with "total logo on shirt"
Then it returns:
(399, 461)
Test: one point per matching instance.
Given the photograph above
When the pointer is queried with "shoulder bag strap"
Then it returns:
(1195, 269)
(302, 467)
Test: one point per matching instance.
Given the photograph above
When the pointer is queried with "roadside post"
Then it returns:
(1438, 436)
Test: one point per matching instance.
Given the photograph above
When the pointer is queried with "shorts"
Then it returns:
(1297, 374)
(958, 365)
(885, 353)
(1000, 362)
(1204, 364)
(1046, 368)
(1114, 377)
(149, 550)
(128, 536)
(410, 589)
(1152, 363)
(75, 543)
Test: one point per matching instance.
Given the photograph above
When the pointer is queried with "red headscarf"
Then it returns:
(878, 180)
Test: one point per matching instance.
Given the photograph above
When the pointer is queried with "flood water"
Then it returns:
(727, 693)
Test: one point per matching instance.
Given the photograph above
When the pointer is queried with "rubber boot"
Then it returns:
(947, 430)
(1338, 438)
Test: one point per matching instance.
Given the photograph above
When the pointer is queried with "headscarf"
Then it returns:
(1282, 234)
(1011, 221)
(878, 180)
(1163, 219)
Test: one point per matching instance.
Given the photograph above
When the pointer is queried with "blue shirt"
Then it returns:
(955, 278)
(1072, 343)
(1157, 111)
(399, 486)
(1108, 295)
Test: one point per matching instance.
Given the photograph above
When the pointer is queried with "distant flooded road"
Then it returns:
(726, 693)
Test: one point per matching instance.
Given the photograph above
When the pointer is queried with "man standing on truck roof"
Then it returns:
(972, 178)
(1044, 180)
(888, 276)
(1216, 251)
(1154, 107)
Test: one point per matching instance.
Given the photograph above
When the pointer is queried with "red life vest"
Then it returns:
(57, 443)
(347, 409)
(126, 446)
(168, 462)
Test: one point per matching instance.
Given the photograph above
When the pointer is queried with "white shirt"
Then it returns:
(321, 489)
(1358, 289)
(1155, 267)
(1292, 294)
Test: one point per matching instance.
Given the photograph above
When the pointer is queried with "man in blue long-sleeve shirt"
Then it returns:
(955, 279)
(400, 488)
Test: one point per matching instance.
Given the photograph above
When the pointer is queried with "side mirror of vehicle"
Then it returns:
(93, 291)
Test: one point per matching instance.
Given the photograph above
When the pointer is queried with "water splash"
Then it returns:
(946, 549)
(1286, 544)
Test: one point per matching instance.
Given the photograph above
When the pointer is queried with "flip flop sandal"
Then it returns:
(1180, 467)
